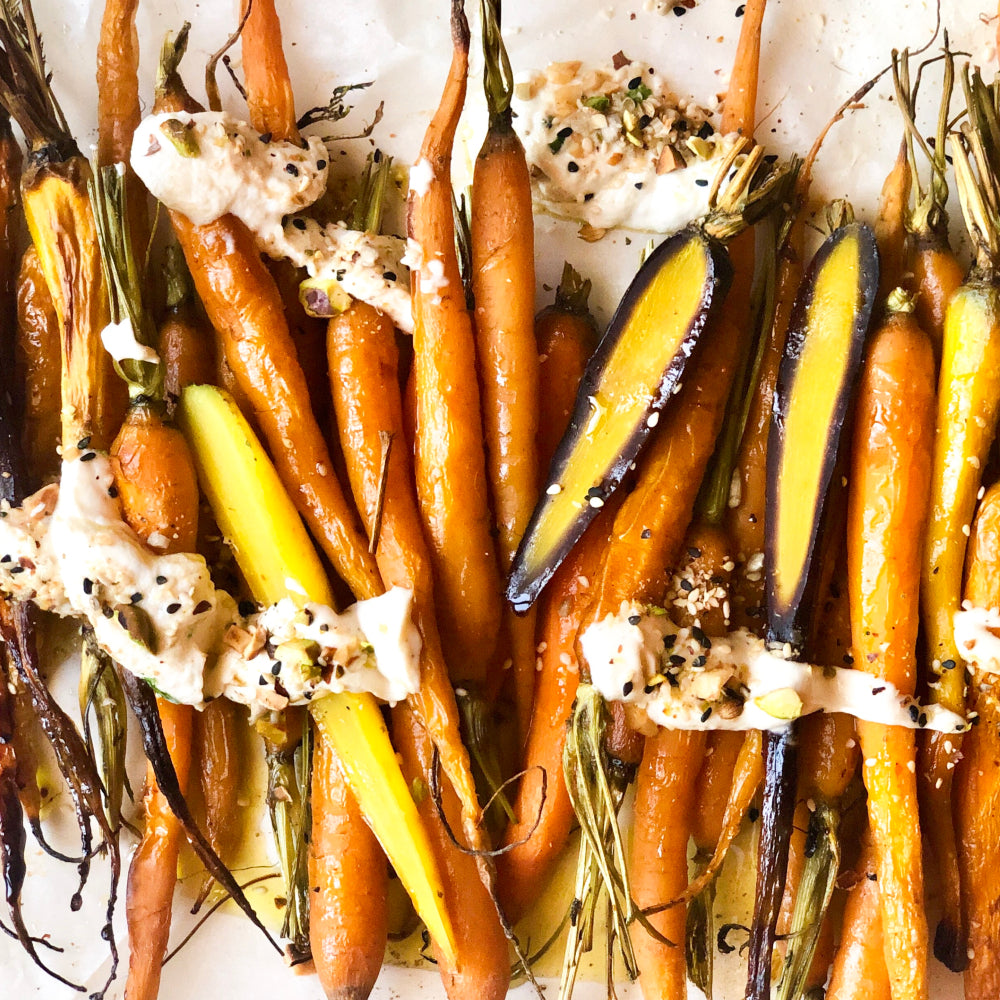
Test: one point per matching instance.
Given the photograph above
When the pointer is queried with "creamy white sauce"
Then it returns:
(68, 550)
(421, 177)
(683, 679)
(602, 157)
(120, 342)
(977, 636)
(264, 183)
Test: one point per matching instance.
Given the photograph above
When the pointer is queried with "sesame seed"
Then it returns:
(88, 585)
(201, 607)
(627, 688)
(161, 580)
(634, 619)
(173, 608)
(645, 533)
(290, 168)
(88, 456)
(706, 714)
(136, 597)
(554, 490)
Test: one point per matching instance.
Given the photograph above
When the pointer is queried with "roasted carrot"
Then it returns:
(503, 285)
(967, 414)
(543, 822)
(219, 766)
(348, 875)
(480, 969)
(890, 484)
(268, 87)
(977, 788)
(244, 306)
(565, 335)
(187, 345)
(118, 111)
(665, 794)
(38, 365)
(363, 362)
(859, 969)
(449, 456)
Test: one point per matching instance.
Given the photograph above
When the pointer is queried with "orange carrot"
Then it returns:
(449, 458)
(348, 876)
(977, 781)
(269, 89)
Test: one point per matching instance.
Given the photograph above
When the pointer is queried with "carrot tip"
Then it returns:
(950, 947)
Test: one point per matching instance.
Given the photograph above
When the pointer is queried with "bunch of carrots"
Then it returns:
(443, 465)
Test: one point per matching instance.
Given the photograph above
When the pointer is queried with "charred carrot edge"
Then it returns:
(38, 363)
(118, 111)
(244, 306)
(890, 487)
(977, 789)
(268, 87)
(449, 454)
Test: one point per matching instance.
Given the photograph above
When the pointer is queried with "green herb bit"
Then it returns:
(561, 136)
(639, 93)
(599, 102)
(181, 136)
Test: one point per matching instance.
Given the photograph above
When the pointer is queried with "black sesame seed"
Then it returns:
(276, 668)
(261, 681)
(922, 721)
(878, 690)
(308, 697)
(676, 659)
(702, 182)
(84, 442)
(265, 138)
(848, 659)
(5, 559)
(290, 168)
(694, 553)
(638, 185)
(389, 275)
(699, 661)
(627, 688)
(741, 10)
(564, 133)
(914, 713)
(88, 456)
(646, 533)
(753, 814)
(706, 715)
(673, 681)
(161, 580)
(589, 196)
(872, 877)
(680, 11)
(201, 607)
(136, 597)
(573, 167)
(14, 570)
(706, 130)
(324, 627)
(947, 664)
(113, 492)
(246, 608)
(321, 164)
(595, 491)
(109, 612)
(634, 619)
(669, 640)
(773, 158)
(309, 616)
(644, 121)
(88, 585)
(648, 689)
(700, 637)
(173, 608)
(300, 224)
(687, 586)
(634, 82)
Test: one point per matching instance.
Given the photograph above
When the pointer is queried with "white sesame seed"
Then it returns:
(554, 490)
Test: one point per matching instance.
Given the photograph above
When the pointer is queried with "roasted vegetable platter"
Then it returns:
(615, 359)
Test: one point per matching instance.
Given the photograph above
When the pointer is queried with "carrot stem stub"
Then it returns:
(635, 370)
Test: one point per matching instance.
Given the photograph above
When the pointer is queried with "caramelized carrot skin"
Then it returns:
(890, 489)
(665, 791)
(153, 872)
(482, 968)
(523, 871)
(859, 969)
(977, 778)
(117, 81)
(364, 361)
(565, 341)
(269, 90)
(450, 462)
(219, 769)
(348, 879)
(244, 306)
(187, 349)
(937, 275)
(38, 360)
